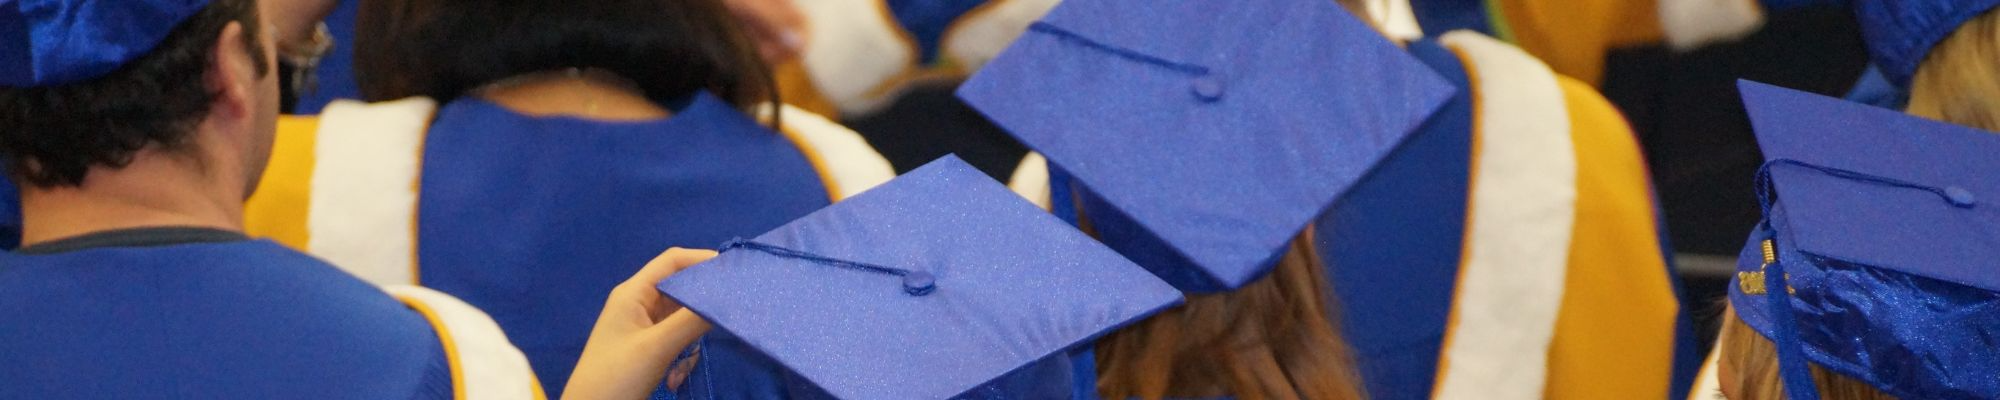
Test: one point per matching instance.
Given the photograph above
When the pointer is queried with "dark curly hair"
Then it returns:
(52, 136)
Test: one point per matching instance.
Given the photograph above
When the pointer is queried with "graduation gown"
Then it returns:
(1509, 249)
(865, 53)
(239, 319)
(535, 219)
(1574, 37)
(1530, 264)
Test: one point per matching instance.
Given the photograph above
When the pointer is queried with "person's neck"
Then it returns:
(155, 190)
(581, 93)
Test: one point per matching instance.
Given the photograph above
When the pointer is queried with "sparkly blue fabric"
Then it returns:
(59, 42)
(533, 220)
(1900, 33)
(1894, 284)
(1214, 173)
(929, 20)
(1016, 289)
(1394, 317)
(239, 320)
(336, 70)
(1440, 16)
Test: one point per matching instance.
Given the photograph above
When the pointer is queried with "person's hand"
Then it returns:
(776, 25)
(296, 19)
(638, 335)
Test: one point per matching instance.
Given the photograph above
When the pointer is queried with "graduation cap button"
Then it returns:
(1960, 197)
(1208, 88)
(919, 283)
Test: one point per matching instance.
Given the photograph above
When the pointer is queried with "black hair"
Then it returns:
(445, 48)
(51, 136)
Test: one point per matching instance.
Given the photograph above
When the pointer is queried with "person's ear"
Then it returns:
(232, 74)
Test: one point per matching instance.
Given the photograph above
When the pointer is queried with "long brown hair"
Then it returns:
(444, 48)
(1275, 338)
(1752, 365)
(1959, 82)
(1272, 339)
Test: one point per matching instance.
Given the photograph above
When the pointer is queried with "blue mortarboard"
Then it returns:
(928, 286)
(1877, 255)
(59, 42)
(1900, 33)
(1207, 134)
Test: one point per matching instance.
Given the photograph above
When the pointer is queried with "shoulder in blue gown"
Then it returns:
(248, 319)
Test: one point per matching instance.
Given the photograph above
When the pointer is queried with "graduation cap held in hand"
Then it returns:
(928, 286)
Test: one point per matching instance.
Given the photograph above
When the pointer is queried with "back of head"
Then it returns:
(1271, 339)
(51, 136)
(1959, 81)
(445, 48)
(1274, 338)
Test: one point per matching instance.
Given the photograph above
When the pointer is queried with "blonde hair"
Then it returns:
(1752, 365)
(1959, 82)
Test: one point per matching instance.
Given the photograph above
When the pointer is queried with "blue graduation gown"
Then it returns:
(1395, 317)
(1394, 251)
(534, 220)
(240, 320)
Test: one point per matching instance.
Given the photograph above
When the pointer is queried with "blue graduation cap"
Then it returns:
(59, 42)
(1877, 255)
(1206, 134)
(1900, 33)
(926, 287)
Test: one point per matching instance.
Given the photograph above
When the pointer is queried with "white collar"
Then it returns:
(1396, 19)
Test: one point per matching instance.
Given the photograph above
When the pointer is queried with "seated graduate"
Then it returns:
(1203, 147)
(1520, 209)
(1942, 54)
(526, 156)
(137, 129)
(1871, 276)
(1512, 247)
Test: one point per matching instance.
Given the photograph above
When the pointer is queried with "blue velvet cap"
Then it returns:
(1206, 134)
(1885, 234)
(59, 42)
(926, 287)
(1900, 33)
